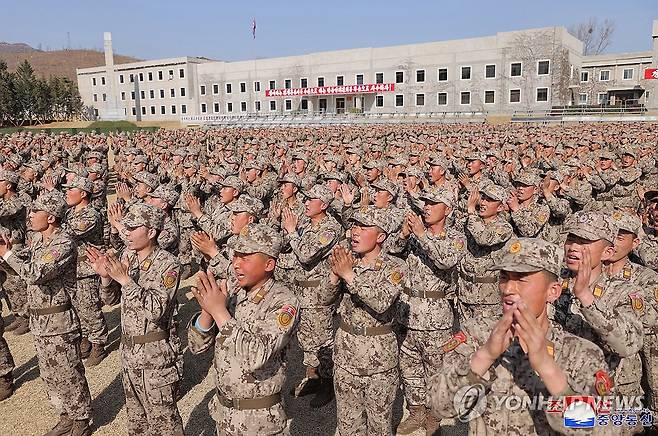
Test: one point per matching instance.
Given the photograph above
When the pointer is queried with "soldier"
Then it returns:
(147, 278)
(365, 349)
(432, 251)
(520, 354)
(84, 223)
(6, 364)
(216, 223)
(49, 271)
(250, 324)
(527, 215)
(311, 245)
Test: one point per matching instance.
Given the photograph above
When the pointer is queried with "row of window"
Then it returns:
(150, 75)
(142, 94)
(163, 110)
(604, 75)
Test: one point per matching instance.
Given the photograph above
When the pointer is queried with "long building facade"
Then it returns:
(520, 71)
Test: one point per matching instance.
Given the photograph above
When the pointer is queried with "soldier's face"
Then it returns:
(524, 193)
(605, 164)
(3, 187)
(239, 220)
(535, 289)
(313, 207)
(252, 174)
(488, 207)
(252, 269)
(625, 243)
(382, 198)
(366, 238)
(142, 190)
(177, 159)
(333, 184)
(287, 190)
(627, 160)
(434, 212)
(474, 166)
(38, 220)
(137, 238)
(600, 251)
(373, 174)
(298, 166)
(69, 177)
(74, 196)
(227, 194)
(329, 165)
(436, 172)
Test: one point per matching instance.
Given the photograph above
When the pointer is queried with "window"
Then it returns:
(160, 75)
(515, 96)
(490, 71)
(103, 81)
(399, 100)
(489, 97)
(215, 107)
(272, 105)
(420, 76)
(466, 73)
(584, 76)
(202, 89)
(123, 95)
(141, 77)
(172, 92)
(163, 109)
(379, 101)
(142, 95)
(442, 99)
(152, 110)
(134, 111)
(604, 75)
(543, 67)
(542, 94)
(229, 107)
(243, 106)
(320, 81)
(465, 97)
(215, 89)
(152, 93)
(171, 74)
(420, 99)
(132, 95)
(183, 108)
(229, 88)
(120, 78)
(442, 75)
(399, 77)
(173, 109)
(243, 87)
(304, 104)
(379, 77)
(340, 80)
(150, 76)
(628, 74)
(204, 109)
(288, 105)
(602, 97)
(303, 83)
(287, 84)
(515, 69)
(182, 92)
(143, 110)
(181, 74)
(257, 106)
(359, 79)
(256, 86)
(132, 78)
(95, 97)
(162, 93)
(272, 84)
(93, 81)
(96, 111)
(582, 98)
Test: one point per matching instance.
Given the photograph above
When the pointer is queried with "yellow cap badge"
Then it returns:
(515, 248)
(616, 215)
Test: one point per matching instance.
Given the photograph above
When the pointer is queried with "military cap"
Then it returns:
(98, 155)
(166, 193)
(370, 164)
(191, 164)
(628, 150)
(80, 183)
(15, 159)
(52, 202)
(9, 176)
(354, 150)
(253, 164)
(527, 178)
(233, 182)
(495, 192)
(257, 238)
(217, 170)
(334, 175)
(529, 152)
(569, 145)
(321, 192)
(476, 156)
(527, 255)
(149, 179)
(573, 163)
(607, 154)
(384, 184)
(140, 159)
(591, 226)
(333, 158)
(397, 160)
(34, 166)
(79, 171)
(413, 171)
(180, 152)
(144, 214)
(248, 204)
(626, 221)
(298, 155)
(439, 195)
(95, 168)
(290, 178)
(437, 159)
(370, 216)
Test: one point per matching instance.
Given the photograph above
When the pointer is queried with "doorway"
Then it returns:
(340, 105)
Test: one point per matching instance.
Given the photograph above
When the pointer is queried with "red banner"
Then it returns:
(331, 90)
(651, 73)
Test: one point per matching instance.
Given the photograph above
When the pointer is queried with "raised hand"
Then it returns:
(204, 244)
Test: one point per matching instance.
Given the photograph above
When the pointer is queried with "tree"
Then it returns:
(25, 88)
(596, 37)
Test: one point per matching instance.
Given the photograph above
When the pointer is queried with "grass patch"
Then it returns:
(98, 127)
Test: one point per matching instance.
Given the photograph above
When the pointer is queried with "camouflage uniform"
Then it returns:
(250, 348)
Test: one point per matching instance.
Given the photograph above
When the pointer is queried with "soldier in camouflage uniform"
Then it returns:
(520, 354)
(365, 348)
(528, 216)
(147, 278)
(249, 323)
(49, 271)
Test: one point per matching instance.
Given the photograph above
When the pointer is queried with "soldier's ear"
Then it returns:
(554, 291)
(152, 233)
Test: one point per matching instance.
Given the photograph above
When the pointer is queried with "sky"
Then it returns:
(221, 30)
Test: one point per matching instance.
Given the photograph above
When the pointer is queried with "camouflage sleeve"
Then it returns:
(156, 296)
(530, 221)
(258, 191)
(219, 227)
(582, 194)
(82, 225)
(630, 175)
(378, 289)
(110, 294)
(311, 247)
(46, 264)
(398, 246)
(444, 253)
(198, 341)
(488, 235)
(559, 207)
(116, 241)
(607, 178)
(10, 208)
(219, 265)
(168, 238)
(254, 343)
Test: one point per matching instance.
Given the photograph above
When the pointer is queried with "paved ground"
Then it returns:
(28, 411)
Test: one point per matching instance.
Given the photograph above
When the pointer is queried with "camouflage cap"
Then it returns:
(80, 171)
(476, 156)
(413, 171)
(626, 221)
(95, 168)
(290, 178)
(233, 182)
(526, 255)
(527, 178)
(494, 192)
(333, 175)
(52, 202)
(98, 155)
(298, 155)
(439, 195)
(591, 226)
(370, 164)
(257, 238)
(149, 179)
(144, 214)
(628, 150)
(253, 164)
(140, 159)
(80, 183)
(217, 170)
(248, 204)
(384, 184)
(437, 159)
(397, 161)
(607, 154)
(191, 164)
(166, 193)
(370, 216)
(9, 176)
(321, 192)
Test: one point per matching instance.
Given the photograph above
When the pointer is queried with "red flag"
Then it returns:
(253, 27)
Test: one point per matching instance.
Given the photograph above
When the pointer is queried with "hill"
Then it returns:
(55, 63)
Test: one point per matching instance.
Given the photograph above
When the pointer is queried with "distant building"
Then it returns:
(528, 70)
